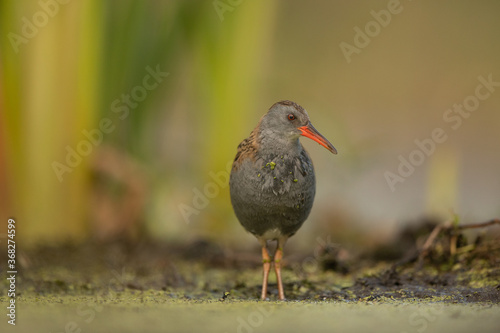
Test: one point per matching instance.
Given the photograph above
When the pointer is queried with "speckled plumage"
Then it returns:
(273, 190)
(272, 182)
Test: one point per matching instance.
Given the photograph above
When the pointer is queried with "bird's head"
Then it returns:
(286, 120)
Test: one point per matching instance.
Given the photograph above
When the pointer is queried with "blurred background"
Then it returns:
(119, 118)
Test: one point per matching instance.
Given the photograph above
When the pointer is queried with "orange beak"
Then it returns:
(310, 132)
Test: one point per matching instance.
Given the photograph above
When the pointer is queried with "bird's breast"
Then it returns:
(274, 191)
(278, 187)
(282, 174)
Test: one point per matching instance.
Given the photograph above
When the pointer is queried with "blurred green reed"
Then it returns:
(65, 79)
(223, 73)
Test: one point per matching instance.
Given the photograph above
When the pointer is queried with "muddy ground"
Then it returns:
(127, 286)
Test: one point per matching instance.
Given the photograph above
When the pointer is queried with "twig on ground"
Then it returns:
(477, 225)
(429, 242)
(447, 227)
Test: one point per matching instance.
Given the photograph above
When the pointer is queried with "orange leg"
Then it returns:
(277, 267)
(266, 263)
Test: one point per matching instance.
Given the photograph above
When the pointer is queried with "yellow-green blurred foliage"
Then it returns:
(83, 69)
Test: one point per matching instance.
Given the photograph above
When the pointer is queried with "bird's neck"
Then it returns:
(270, 144)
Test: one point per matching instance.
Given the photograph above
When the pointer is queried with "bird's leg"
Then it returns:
(278, 256)
(277, 267)
(266, 263)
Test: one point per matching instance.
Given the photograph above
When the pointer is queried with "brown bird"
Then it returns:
(272, 181)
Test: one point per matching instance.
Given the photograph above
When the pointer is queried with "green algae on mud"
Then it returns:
(155, 287)
(203, 271)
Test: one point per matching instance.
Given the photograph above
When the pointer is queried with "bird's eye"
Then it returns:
(291, 116)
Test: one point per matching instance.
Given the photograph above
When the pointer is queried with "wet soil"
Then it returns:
(204, 271)
(148, 286)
